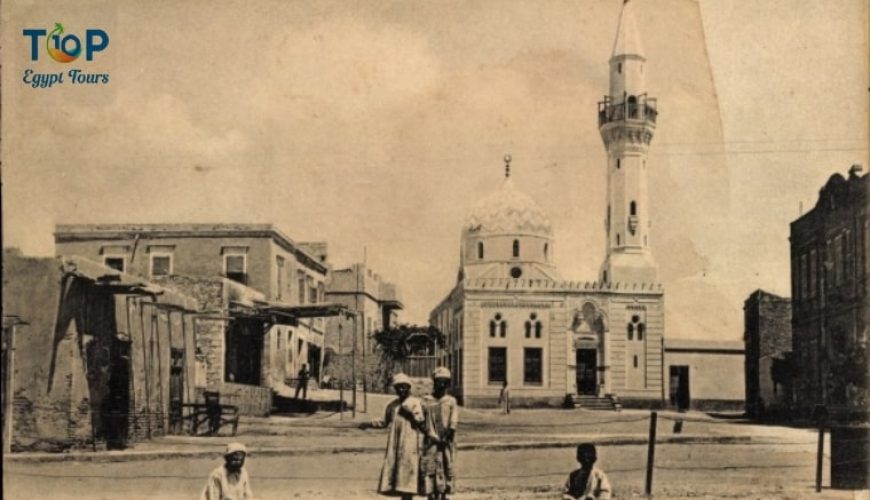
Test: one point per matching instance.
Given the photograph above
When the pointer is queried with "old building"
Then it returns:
(373, 304)
(704, 374)
(830, 301)
(266, 291)
(103, 359)
(512, 318)
(767, 339)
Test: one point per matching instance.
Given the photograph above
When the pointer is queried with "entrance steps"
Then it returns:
(608, 402)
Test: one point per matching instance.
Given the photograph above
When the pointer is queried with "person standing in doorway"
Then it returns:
(302, 382)
(439, 448)
(504, 398)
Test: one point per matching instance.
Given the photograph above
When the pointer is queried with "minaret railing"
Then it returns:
(641, 108)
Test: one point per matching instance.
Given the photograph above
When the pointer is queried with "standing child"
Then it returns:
(439, 448)
(587, 482)
(400, 474)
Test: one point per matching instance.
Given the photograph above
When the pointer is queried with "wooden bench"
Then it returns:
(213, 413)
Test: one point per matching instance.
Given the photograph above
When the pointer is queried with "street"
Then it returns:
(743, 470)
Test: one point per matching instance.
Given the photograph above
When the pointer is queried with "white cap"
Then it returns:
(235, 447)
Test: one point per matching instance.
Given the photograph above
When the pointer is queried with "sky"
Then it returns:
(376, 126)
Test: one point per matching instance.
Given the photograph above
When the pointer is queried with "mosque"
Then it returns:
(512, 319)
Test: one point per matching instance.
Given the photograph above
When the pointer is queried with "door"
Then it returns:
(314, 361)
(117, 402)
(679, 392)
(176, 389)
(587, 372)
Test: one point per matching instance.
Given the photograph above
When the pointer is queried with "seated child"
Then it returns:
(588, 482)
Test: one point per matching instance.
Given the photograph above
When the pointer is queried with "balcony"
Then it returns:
(634, 109)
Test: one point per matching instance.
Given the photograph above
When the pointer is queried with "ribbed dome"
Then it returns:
(508, 211)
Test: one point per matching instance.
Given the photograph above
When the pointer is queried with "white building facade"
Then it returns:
(512, 318)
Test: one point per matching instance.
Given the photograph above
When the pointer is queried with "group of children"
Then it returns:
(408, 468)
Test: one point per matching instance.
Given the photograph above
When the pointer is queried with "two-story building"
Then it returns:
(374, 303)
(265, 290)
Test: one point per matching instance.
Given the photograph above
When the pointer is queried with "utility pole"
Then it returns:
(364, 336)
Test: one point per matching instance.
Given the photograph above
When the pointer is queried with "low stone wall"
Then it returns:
(252, 400)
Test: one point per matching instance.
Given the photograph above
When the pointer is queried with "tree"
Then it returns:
(396, 344)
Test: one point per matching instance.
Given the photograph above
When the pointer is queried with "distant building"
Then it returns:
(704, 375)
(512, 318)
(830, 276)
(102, 359)
(767, 337)
(271, 287)
(375, 303)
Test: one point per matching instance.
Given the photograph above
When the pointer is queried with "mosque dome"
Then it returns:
(508, 211)
(507, 235)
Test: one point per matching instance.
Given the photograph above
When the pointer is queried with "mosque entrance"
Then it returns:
(587, 372)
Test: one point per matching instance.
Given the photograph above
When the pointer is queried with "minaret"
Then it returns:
(627, 120)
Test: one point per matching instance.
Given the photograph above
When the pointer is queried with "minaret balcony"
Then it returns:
(635, 109)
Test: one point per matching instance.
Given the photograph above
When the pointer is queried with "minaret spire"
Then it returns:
(627, 36)
(627, 122)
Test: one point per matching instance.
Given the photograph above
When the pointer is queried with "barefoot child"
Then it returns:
(587, 482)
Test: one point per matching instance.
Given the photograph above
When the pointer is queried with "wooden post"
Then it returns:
(353, 373)
(8, 384)
(820, 414)
(651, 453)
(340, 379)
(820, 456)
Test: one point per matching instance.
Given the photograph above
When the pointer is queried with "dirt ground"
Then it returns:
(767, 462)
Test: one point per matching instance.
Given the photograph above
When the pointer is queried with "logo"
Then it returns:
(65, 48)
(68, 48)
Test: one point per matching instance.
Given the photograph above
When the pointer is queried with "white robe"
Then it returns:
(400, 473)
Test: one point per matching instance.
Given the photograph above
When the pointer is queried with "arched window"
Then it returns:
(533, 324)
(497, 324)
(632, 208)
(480, 250)
(630, 331)
(546, 251)
(619, 67)
(516, 248)
(604, 277)
(617, 239)
(632, 106)
(618, 163)
(640, 329)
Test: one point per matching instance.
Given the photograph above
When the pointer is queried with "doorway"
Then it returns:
(587, 372)
(176, 390)
(679, 392)
(117, 402)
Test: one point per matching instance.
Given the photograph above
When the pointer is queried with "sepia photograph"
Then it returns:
(435, 249)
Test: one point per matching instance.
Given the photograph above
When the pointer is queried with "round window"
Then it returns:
(516, 272)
